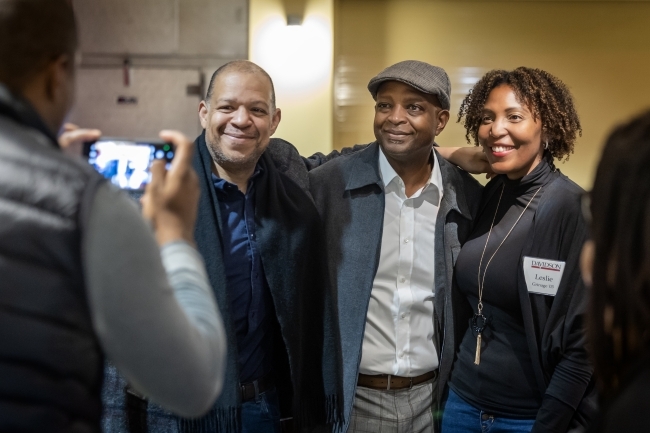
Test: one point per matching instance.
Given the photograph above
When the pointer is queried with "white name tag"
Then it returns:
(543, 276)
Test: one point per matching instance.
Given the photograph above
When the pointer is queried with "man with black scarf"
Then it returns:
(258, 230)
(255, 204)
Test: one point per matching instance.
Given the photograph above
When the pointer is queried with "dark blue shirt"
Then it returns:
(251, 305)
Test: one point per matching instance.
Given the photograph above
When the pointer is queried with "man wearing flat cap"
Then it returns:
(395, 215)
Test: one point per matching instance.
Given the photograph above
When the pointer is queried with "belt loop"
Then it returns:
(388, 389)
(410, 382)
(257, 390)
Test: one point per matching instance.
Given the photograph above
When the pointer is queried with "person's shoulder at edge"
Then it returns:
(623, 412)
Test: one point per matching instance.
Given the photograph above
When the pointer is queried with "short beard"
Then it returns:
(233, 165)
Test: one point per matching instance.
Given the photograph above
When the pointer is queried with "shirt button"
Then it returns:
(401, 355)
(402, 279)
(406, 241)
(403, 315)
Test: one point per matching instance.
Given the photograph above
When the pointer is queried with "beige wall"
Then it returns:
(299, 59)
(601, 50)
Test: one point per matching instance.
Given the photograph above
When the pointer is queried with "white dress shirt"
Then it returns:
(398, 338)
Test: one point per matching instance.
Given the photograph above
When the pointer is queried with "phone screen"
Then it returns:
(125, 163)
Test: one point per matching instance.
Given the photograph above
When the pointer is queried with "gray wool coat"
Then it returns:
(349, 195)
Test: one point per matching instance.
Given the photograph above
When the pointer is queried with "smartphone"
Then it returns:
(126, 162)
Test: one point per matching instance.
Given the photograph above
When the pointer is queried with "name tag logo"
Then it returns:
(543, 276)
(547, 266)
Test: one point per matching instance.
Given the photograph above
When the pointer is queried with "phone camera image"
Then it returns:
(126, 163)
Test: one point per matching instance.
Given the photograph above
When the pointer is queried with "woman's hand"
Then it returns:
(472, 159)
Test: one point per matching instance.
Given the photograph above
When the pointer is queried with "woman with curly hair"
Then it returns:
(616, 264)
(514, 319)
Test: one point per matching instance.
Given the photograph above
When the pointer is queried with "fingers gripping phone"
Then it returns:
(126, 162)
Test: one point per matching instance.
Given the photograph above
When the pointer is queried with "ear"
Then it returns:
(57, 76)
(275, 120)
(443, 118)
(204, 112)
(587, 262)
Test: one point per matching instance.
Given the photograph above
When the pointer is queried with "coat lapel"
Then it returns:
(365, 190)
(356, 223)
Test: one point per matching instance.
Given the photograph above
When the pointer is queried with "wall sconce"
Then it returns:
(299, 58)
(295, 11)
(294, 20)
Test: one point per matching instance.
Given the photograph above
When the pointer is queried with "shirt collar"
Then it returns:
(389, 175)
(222, 185)
(386, 171)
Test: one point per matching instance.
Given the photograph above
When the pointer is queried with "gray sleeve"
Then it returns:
(157, 321)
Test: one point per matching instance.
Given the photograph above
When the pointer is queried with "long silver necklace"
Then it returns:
(479, 321)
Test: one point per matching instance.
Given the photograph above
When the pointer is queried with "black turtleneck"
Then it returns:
(504, 381)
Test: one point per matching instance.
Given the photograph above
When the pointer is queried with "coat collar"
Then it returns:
(20, 110)
(452, 197)
(362, 169)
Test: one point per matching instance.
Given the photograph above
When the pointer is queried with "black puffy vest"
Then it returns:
(50, 359)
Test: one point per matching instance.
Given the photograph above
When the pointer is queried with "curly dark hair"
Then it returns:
(619, 316)
(546, 97)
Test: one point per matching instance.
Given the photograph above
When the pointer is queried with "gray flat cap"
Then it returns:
(422, 76)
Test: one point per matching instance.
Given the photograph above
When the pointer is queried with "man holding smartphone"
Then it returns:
(82, 274)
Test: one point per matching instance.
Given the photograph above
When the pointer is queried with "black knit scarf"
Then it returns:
(291, 247)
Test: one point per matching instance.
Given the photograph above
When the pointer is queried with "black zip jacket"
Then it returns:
(553, 325)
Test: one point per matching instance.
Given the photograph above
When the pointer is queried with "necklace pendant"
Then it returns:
(477, 358)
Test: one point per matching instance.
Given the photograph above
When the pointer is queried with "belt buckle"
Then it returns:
(246, 386)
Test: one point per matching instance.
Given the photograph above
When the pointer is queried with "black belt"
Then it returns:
(252, 390)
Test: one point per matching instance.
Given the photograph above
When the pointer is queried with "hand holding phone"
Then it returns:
(73, 138)
(171, 198)
(126, 162)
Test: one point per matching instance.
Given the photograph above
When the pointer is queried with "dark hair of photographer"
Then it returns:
(546, 96)
(33, 33)
(619, 327)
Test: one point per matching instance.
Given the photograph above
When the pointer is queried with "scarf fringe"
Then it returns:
(218, 420)
(320, 411)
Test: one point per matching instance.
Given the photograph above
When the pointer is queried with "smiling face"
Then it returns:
(407, 121)
(239, 119)
(510, 136)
